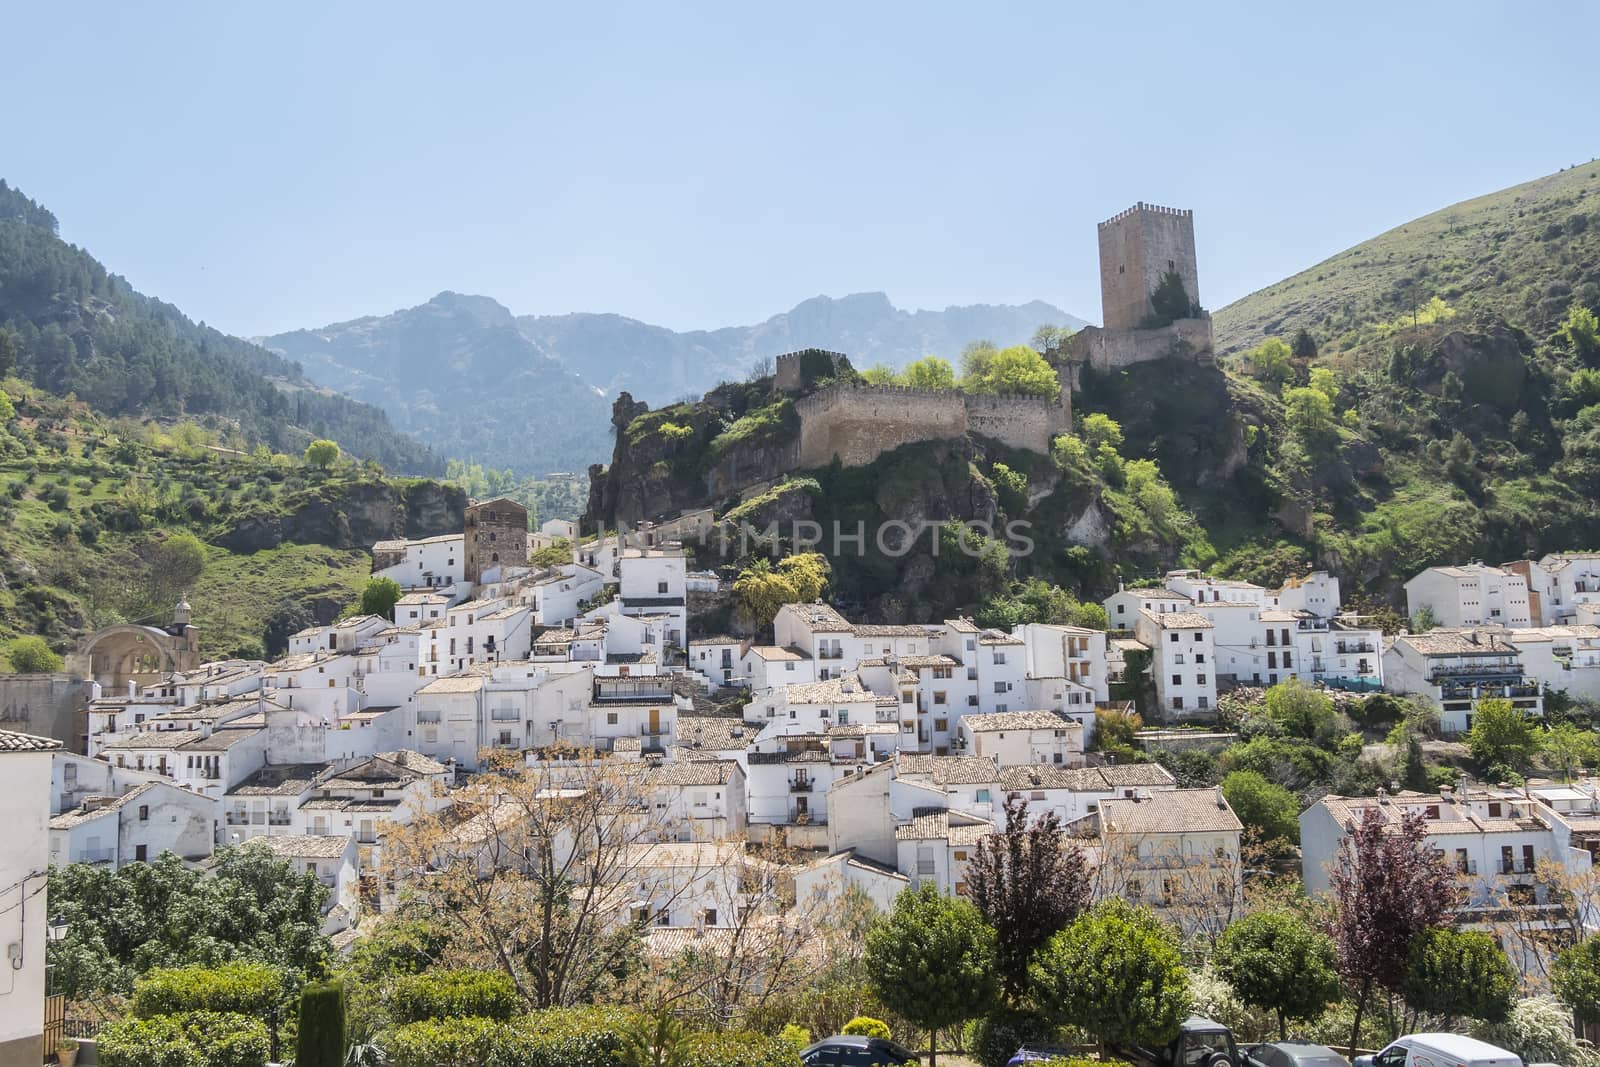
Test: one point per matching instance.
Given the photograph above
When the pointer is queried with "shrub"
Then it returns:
(446, 1043)
(31, 655)
(736, 1049)
(194, 1039)
(1539, 1029)
(994, 1038)
(866, 1026)
(452, 995)
(565, 1036)
(796, 1037)
(245, 988)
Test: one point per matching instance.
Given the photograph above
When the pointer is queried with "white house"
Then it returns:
(717, 659)
(1123, 606)
(268, 803)
(936, 845)
(1073, 793)
(1175, 849)
(136, 827)
(652, 581)
(1559, 585)
(831, 879)
(1183, 661)
(1455, 668)
(24, 863)
(1013, 737)
(699, 799)
(1470, 595)
(1564, 658)
(426, 563)
(768, 666)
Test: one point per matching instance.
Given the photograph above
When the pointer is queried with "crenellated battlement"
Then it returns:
(1153, 209)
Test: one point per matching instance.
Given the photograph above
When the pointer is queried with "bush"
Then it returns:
(1539, 1029)
(866, 1026)
(447, 1043)
(993, 1039)
(796, 1037)
(194, 1039)
(453, 995)
(246, 988)
(565, 1036)
(736, 1049)
(30, 655)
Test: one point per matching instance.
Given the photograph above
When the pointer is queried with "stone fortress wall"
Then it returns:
(859, 423)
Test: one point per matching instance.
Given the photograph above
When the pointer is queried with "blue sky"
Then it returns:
(272, 166)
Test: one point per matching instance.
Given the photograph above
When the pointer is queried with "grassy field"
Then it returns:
(1523, 253)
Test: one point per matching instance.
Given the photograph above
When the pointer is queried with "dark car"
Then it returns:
(1200, 1043)
(1292, 1054)
(846, 1050)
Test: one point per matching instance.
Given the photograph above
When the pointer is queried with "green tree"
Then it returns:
(1581, 330)
(1569, 748)
(1117, 972)
(8, 410)
(867, 1026)
(1011, 487)
(322, 454)
(380, 596)
(321, 1039)
(932, 961)
(1502, 737)
(1263, 805)
(1069, 451)
(1324, 382)
(929, 372)
(1576, 977)
(1309, 415)
(1423, 620)
(1272, 362)
(1169, 302)
(286, 620)
(659, 1040)
(880, 374)
(1278, 962)
(1304, 346)
(1018, 369)
(763, 588)
(1302, 710)
(31, 655)
(1460, 973)
(175, 565)
(8, 353)
(1099, 429)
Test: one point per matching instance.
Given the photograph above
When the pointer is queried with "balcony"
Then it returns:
(830, 653)
(97, 855)
(278, 819)
(800, 785)
(1355, 648)
(237, 818)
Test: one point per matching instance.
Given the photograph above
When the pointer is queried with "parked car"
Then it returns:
(1292, 1054)
(1200, 1043)
(847, 1050)
(1440, 1050)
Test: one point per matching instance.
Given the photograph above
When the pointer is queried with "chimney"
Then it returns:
(1222, 803)
(1446, 794)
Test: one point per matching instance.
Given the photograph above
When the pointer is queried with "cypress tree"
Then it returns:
(321, 1041)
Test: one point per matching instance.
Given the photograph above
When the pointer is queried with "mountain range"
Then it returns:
(534, 392)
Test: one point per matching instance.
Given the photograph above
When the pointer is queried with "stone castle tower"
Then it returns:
(1137, 249)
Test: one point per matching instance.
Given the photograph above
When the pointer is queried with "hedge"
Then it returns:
(563, 1038)
(245, 988)
(192, 1039)
(453, 995)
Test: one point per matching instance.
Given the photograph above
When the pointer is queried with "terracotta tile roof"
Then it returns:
(1171, 811)
(715, 733)
(693, 772)
(934, 824)
(303, 846)
(289, 779)
(821, 618)
(1459, 642)
(10, 741)
(984, 722)
(1178, 620)
(950, 770)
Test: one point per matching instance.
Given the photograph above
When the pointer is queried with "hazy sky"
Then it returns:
(273, 166)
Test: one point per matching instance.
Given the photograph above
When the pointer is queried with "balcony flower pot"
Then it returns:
(67, 1053)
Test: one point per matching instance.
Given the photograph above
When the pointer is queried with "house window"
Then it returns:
(1177, 703)
(144, 813)
(1198, 636)
(1199, 679)
(611, 718)
(999, 658)
(982, 796)
(1174, 636)
(1199, 657)
(999, 687)
(1177, 679)
(1205, 702)
(711, 916)
(661, 587)
(938, 696)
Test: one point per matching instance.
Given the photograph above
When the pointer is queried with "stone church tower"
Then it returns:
(1137, 249)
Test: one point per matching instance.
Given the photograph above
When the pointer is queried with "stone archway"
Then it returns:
(118, 655)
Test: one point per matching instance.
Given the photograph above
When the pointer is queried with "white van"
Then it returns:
(1440, 1050)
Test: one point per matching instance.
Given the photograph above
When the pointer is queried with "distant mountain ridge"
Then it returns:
(656, 364)
(533, 392)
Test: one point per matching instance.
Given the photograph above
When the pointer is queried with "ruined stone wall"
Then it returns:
(860, 423)
(1137, 248)
(47, 705)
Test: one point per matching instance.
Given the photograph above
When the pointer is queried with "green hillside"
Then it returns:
(96, 512)
(1522, 253)
(72, 327)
